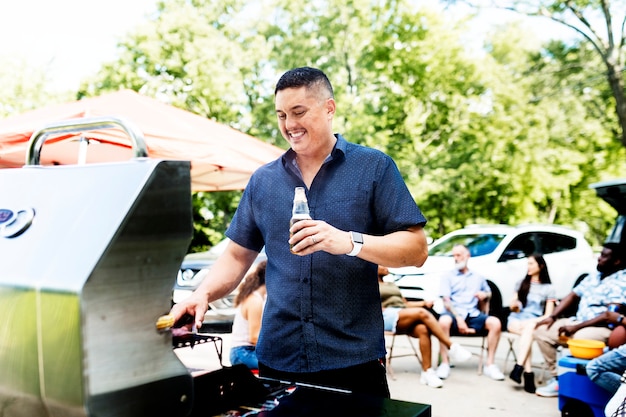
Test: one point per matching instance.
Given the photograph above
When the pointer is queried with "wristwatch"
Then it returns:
(357, 241)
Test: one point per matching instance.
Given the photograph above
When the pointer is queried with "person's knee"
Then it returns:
(493, 324)
(421, 314)
(514, 326)
(422, 330)
(445, 321)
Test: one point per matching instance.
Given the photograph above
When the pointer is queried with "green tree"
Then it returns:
(191, 55)
(199, 56)
(549, 144)
(403, 83)
(601, 23)
(479, 138)
(25, 87)
(211, 214)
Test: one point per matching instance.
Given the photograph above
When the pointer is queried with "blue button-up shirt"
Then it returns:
(461, 289)
(323, 311)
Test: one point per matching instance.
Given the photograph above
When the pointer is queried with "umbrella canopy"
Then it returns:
(221, 158)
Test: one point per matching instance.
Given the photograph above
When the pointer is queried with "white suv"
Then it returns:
(499, 253)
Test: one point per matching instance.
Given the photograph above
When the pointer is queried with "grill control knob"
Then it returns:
(17, 224)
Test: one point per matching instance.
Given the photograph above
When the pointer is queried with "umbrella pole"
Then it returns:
(82, 150)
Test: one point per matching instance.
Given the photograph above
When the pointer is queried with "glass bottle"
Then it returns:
(300, 210)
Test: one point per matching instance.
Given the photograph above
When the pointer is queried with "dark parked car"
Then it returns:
(193, 270)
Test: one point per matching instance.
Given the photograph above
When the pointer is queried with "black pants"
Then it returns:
(367, 378)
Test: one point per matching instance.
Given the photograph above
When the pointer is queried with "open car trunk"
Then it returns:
(614, 193)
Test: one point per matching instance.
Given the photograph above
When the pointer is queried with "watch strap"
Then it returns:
(357, 242)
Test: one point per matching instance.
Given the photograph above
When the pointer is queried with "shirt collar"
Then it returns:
(459, 273)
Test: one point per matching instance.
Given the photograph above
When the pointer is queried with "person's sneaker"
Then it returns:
(493, 372)
(431, 379)
(551, 389)
(443, 371)
(458, 353)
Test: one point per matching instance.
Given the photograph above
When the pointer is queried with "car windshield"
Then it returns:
(478, 244)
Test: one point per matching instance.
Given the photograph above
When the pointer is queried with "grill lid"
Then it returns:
(88, 256)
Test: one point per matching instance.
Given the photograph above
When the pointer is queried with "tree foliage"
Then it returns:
(24, 88)
(515, 134)
(599, 23)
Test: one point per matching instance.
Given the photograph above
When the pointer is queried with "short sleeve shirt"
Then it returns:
(595, 294)
(461, 289)
(538, 295)
(323, 311)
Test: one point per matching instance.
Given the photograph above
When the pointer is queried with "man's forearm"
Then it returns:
(563, 305)
(449, 307)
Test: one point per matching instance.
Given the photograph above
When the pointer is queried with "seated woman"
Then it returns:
(534, 300)
(250, 302)
(413, 318)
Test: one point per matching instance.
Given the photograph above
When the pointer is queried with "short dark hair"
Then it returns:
(618, 250)
(304, 77)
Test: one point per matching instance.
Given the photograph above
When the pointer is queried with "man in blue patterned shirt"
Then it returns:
(593, 295)
(322, 322)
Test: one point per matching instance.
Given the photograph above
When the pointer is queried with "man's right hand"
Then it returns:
(568, 330)
(195, 306)
(463, 327)
(224, 276)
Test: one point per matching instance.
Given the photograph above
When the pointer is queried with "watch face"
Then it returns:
(357, 237)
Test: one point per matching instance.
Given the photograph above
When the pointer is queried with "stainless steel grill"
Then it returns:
(87, 259)
(88, 256)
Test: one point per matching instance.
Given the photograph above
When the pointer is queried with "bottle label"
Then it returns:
(296, 218)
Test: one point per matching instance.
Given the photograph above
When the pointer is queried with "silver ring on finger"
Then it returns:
(313, 239)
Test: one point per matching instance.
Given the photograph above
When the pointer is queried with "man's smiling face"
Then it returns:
(305, 118)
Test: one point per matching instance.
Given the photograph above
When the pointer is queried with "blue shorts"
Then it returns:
(477, 323)
(245, 355)
(390, 318)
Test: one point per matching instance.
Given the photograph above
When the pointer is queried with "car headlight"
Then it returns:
(189, 278)
(187, 274)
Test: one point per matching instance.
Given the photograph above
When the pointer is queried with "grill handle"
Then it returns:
(84, 124)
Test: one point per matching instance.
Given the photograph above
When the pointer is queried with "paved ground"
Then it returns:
(464, 394)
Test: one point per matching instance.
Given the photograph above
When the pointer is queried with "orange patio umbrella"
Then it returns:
(222, 158)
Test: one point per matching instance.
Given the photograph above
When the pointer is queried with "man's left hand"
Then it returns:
(315, 235)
